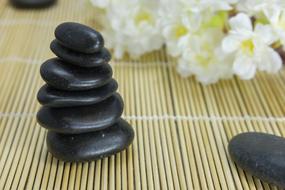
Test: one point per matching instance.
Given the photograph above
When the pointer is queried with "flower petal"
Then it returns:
(220, 5)
(230, 44)
(241, 22)
(270, 61)
(265, 33)
(244, 67)
(183, 68)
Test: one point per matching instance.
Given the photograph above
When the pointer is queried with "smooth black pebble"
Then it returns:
(260, 154)
(52, 97)
(91, 146)
(64, 76)
(82, 119)
(32, 3)
(80, 59)
(79, 37)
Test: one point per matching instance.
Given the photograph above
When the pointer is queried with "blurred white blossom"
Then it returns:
(251, 47)
(184, 18)
(176, 31)
(255, 7)
(204, 59)
(198, 6)
(208, 41)
(277, 21)
(133, 27)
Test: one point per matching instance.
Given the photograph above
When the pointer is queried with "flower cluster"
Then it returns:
(212, 39)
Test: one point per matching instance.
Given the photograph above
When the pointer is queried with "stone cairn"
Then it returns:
(81, 108)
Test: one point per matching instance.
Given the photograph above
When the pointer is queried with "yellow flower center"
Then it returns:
(180, 31)
(204, 61)
(143, 16)
(247, 47)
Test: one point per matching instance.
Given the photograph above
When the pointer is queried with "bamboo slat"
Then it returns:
(182, 127)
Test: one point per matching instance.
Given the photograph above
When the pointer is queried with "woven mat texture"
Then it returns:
(182, 127)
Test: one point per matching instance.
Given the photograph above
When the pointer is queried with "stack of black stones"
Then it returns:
(81, 108)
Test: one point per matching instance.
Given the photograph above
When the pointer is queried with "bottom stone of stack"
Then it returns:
(91, 146)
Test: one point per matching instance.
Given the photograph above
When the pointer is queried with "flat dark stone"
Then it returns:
(82, 119)
(64, 76)
(32, 3)
(80, 59)
(79, 37)
(52, 97)
(260, 154)
(91, 146)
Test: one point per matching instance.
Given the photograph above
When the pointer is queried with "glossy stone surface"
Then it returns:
(32, 3)
(80, 59)
(52, 97)
(91, 146)
(79, 37)
(260, 154)
(63, 76)
(82, 119)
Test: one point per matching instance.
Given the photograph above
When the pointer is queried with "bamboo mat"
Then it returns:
(182, 127)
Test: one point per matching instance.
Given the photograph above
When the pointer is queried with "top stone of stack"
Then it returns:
(79, 37)
(79, 45)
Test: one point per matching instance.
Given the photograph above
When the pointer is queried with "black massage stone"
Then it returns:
(103, 56)
(79, 37)
(51, 97)
(81, 119)
(93, 145)
(260, 154)
(64, 76)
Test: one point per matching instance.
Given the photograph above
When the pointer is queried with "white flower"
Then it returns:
(133, 27)
(176, 31)
(253, 7)
(251, 47)
(277, 21)
(212, 6)
(204, 59)
(181, 20)
(198, 6)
